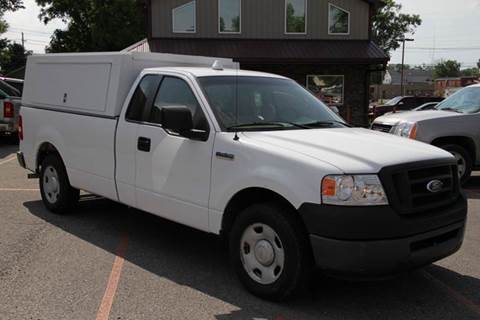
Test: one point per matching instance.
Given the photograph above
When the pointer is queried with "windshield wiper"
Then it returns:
(325, 123)
(450, 109)
(268, 124)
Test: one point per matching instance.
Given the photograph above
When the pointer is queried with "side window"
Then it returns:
(141, 98)
(176, 92)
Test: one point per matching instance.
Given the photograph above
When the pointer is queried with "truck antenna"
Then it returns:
(236, 137)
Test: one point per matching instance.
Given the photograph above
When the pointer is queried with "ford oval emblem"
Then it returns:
(435, 186)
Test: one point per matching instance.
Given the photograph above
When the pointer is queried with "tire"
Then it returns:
(275, 281)
(463, 158)
(57, 194)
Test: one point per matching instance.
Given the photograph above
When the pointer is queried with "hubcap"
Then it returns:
(462, 166)
(51, 185)
(262, 253)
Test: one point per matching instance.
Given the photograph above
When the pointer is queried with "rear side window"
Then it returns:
(176, 92)
(142, 98)
(9, 90)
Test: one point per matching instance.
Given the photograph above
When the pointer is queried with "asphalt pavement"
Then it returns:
(107, 261)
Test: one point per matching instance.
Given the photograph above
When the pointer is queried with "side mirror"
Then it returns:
(179, 120)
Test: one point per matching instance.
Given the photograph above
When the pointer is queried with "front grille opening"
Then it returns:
(435, 241)
(413, 193)
(381, 127)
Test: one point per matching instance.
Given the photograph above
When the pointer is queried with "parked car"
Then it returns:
(253, 157)
(454, 125)
(16, 83)
(10, 100)
(400, 104)
(427, 106)
(423, 107)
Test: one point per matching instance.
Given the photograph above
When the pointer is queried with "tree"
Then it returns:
(10, 54)
(471, 72)
(12, 57)
(10, 5)
(390, 25)
(94, 25)
(448, 68)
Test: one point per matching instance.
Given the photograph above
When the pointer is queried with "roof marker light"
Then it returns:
(217, 65)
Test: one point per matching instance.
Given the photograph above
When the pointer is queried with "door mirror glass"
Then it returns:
(177, 119)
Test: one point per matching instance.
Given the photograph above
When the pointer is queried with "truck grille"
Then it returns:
(381, 127)
(424, 188)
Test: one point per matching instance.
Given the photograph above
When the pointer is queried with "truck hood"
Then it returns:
(415, 116)
(352, 151)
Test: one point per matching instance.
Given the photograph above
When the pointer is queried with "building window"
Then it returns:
(184, 18)
(338, 20)
(296, 16)
(328, 89)
(229, 16)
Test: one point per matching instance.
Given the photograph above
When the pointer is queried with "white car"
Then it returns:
(251, 156)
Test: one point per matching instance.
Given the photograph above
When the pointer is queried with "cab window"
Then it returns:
(174, 92)
(142, 97)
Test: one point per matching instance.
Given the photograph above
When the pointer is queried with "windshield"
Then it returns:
(265, 104)
(465, 101)
(394, 101)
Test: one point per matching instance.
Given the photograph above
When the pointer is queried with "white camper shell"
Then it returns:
(95, 83)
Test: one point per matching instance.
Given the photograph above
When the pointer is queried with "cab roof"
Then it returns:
(210, 72)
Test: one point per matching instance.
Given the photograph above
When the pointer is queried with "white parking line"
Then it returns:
(7, 161)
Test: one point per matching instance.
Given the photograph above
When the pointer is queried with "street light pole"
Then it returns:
(402, 88)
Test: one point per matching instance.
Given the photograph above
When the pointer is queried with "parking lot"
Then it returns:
(107, 261)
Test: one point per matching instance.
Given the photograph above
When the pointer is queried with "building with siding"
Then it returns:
(325, 45)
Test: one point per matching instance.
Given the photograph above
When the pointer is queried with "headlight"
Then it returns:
(358, 190)
(406, 130)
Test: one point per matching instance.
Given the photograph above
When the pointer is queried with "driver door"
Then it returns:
(173, 172)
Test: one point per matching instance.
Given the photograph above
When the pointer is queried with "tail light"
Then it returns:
(8, 111)
(20, 128)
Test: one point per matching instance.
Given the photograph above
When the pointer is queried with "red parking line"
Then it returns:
(453, 293)
(107, 301)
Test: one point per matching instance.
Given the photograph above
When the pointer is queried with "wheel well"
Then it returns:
(464, 142)
(248, 197)
(45, 150)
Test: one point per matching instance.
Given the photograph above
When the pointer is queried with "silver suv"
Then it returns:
(454, 125)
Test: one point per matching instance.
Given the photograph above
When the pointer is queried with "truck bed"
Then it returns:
(85, 143)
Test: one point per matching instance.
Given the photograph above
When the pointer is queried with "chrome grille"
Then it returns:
(381, 127)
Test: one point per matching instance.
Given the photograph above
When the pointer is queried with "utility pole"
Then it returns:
(23, 40)
(402, 87)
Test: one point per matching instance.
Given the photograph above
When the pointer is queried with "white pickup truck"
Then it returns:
(250, 156)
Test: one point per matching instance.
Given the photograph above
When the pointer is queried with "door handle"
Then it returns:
(144, 144)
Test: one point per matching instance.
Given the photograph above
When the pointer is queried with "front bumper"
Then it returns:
(7, 129)
(375, 241)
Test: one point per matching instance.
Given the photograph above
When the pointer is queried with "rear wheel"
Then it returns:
(57, 193)
(269, 251)
(464, 161)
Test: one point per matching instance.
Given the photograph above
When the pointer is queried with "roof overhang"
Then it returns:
(250, 51)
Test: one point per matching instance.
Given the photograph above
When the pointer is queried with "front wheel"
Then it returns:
(269, 252)
(57, 194)
(464, 161)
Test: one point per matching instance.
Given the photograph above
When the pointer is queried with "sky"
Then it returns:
(446, 24)
(450, 30)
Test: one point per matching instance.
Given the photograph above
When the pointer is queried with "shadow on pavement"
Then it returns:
(8, 146)
(472, 187)
(199, 261)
